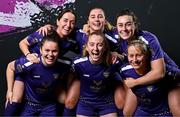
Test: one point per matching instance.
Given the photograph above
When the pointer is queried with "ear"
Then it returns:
(57, 22)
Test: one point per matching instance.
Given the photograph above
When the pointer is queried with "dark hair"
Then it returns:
(106, 55)
(129, 13)
(53, 37)
(66, 11)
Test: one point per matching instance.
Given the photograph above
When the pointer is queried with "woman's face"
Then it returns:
(95, 47)
(49, 52)
(126, 27)
(136, 58)
(96, 20)
(66, 24)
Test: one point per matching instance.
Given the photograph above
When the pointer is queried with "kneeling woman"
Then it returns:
(152, 99)
(40, 80)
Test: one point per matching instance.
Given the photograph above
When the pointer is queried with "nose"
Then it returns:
(68, 24)
(95, 47)
(124, 27)
(50, 53)
(134, 58)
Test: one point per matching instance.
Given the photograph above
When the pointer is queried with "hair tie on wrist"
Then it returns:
(27, 54)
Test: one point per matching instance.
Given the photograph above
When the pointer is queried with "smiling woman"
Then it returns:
(40, 81)
(152, 98)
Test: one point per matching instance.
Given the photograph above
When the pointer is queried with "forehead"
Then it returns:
(50, 45)
(134, 49)
(125, 18)
(96, 12)
(96, 38)
(68, 15)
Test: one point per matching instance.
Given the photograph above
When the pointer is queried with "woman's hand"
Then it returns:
(9, 96)
(32, 57)
(45, 29)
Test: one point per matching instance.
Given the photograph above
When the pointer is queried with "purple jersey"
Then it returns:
(152, 98)
(70, 47)
(96, 81)
(40, 81)
(152, 41)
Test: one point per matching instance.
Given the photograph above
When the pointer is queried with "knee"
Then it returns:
(119, 104)
(70, 103)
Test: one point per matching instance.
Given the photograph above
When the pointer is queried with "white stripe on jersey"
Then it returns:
(28, 64)
(81, 60)
(80, 30)
(110, 38)
(126, 68)
(64, 61)
(143, 39)
(116, 36)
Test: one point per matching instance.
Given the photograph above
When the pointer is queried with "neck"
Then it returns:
(60, 35)
(95, 62)
(142, 70)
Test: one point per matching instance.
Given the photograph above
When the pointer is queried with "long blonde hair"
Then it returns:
(106, 55)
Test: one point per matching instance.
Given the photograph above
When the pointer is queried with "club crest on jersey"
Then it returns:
(55, 76)
(20, 67)
(106, 74)
(35, 40)
(150, 88)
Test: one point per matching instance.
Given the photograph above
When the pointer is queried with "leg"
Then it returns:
(130, 103)
(72, 99)
(119, 96)
(110, 115)
(174, 101)
(18, 90)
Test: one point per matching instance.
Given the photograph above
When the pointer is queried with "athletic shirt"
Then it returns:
(96, 80)
(152, 41)
(151, 98)
(70, 47)
(40, 81)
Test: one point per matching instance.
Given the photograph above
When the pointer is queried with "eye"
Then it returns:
(120, 25)
(129, 24)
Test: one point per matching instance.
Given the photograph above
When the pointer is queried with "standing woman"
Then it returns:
(128, 30)
(152, 98)
(97, 78)
(40, 79)
(95, 24)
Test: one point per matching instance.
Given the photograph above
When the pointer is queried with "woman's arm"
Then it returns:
(24, 46)
(156, 73)
(10, 81)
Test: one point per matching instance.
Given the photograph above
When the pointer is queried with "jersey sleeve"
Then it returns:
(22, 65)
(154, 45)
(34, 38)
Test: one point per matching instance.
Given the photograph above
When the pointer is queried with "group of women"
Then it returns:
(101, 71)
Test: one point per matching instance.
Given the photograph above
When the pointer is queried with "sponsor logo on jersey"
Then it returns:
(106, 74)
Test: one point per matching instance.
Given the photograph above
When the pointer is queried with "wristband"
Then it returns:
(27, 54)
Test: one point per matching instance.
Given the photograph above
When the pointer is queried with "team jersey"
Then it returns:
(40, 81)
(152, 41)
(152, 98)
(97, 80)
(70, 47)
